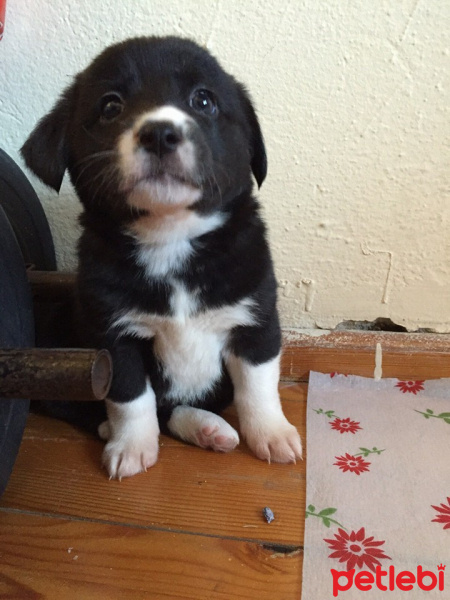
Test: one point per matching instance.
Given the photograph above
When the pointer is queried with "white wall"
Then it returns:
(354, 103)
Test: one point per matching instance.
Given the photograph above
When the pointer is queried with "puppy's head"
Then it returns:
(152, 122)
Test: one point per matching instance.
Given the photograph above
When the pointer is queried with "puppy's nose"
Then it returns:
(159, 137)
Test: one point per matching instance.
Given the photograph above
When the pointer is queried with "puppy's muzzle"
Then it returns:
(160, 138)
(159, 159)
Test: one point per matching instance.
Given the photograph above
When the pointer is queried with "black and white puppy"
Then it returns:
(175, 273)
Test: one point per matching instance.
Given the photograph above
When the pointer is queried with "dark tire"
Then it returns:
(16, 330)
(29, 224)
(26, 216)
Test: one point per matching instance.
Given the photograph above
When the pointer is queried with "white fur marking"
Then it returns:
(163, 260)
(164, 190)
(166, 113)
(190, 344)
(203, 428)
(267, 431)
(183, 304)
(132, 432)
(165, 241)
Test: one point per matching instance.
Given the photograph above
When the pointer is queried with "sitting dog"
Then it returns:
(175, 274)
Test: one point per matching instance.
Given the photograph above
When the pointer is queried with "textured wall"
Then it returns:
(354, 103)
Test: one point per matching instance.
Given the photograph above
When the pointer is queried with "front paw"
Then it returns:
(277, 441)
(128, 457)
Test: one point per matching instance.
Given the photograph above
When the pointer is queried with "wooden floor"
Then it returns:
(190, 528)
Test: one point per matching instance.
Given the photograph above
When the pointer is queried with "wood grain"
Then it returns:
(404, 355)
(58, 472)
(56, 559)
(191, 528)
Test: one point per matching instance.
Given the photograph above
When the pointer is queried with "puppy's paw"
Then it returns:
(217, 437)
(127, 457)
(275, 442)
(203, 428)
(104, 431)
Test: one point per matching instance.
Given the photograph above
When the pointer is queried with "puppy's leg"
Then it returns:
(132, 431)
(265, 428)
(202, 428)
(132, 428)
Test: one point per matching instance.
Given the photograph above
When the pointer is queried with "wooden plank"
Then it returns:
(404, 356)
(53, 558)
(417, 343)
(189, 489)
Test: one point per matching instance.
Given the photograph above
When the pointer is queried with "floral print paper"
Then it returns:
(378, 481)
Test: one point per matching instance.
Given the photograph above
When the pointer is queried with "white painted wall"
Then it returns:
(354, 102)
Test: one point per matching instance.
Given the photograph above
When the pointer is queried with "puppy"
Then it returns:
(175, 274)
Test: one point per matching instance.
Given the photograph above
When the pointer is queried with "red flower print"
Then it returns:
(355, 464)
(355, 549)
(444, 517)
(410, 386)
(345, 425)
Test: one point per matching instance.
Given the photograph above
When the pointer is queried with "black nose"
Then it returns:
(159, 137)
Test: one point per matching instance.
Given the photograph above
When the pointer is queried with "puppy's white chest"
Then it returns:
(190, 342)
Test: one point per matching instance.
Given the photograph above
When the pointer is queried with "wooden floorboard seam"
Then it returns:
(262, 542)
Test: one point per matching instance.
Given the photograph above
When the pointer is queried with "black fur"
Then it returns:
(228, 264)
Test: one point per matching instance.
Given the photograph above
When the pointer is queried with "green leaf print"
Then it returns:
(324, 515)
(328, 413)
(327, 511)
(428, 414)
(365, 451)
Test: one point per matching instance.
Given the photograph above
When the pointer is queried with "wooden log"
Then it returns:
(51, 285)
(55, 374)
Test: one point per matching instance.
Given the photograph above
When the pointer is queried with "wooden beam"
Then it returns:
(404, 355)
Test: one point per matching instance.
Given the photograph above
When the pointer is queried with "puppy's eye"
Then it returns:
(111, 105)
(203, 101)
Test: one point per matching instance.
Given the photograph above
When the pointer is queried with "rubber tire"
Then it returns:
(26, 216)
(16, 330)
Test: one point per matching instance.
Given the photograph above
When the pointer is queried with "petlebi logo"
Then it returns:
(389, 580)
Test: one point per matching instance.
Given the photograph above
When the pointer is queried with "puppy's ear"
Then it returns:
(258, 160)
(46, 150)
